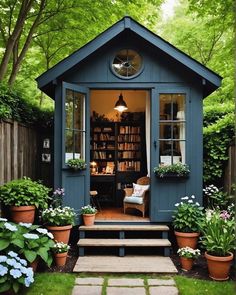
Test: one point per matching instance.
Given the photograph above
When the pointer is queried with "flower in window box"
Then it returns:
(76, 164)
(178, 169)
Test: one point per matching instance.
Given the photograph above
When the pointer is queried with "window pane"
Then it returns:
(78, 111)
(172, 133)
(69, 146)
(69, 108)
(79, 145)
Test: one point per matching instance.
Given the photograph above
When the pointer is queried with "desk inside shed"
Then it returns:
(105, 185)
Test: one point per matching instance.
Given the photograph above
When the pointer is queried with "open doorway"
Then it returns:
(119, 153)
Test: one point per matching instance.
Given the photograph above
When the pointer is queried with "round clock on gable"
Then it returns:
(127, 63)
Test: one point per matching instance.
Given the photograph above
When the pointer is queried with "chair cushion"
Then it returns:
(134, 200)
(139, 189)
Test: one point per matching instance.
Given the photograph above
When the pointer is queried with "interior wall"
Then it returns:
(103, 102)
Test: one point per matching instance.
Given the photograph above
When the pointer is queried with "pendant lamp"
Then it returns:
(121, 105)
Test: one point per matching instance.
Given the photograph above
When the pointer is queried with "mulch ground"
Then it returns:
(199, 270)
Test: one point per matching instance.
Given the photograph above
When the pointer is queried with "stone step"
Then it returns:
(127, 264)
(124, 243)
(123, 227)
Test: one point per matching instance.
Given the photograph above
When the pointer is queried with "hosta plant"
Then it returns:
(188, 215)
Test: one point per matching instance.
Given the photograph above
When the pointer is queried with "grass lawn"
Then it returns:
(188, 286)
(62, 284)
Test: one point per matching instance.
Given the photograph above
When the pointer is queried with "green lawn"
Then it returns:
(62, 284)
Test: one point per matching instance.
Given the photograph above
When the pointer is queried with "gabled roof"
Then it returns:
(45, 81)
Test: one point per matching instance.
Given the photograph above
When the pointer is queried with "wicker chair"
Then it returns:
(144, 202)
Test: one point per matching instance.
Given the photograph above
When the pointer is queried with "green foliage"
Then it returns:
(218, 229)
(212, 113)
(216, 140)
(61, 247)
(217, 198)
(59, 216)
(76, 164)
(13, 105)
(24, 192)
(187, 215)
(177, 169)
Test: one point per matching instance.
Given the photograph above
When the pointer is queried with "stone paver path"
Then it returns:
(124, 286)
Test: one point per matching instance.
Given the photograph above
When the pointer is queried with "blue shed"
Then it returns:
(161, 90)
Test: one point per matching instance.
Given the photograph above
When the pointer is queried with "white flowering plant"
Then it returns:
(216, 198)
(61, 247)
(188, 215)
(59, 216)
(188, 252)
(218, 232)
(29, 240)
(88, 209)
(177, 169)
(14, 272)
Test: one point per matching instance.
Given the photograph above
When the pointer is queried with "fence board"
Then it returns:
(20, 149)
(230, 171)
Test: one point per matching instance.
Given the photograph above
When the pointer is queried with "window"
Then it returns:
(127, 63)
(74, 125)
(172, 141)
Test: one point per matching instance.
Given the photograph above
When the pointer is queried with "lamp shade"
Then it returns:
(121, 105)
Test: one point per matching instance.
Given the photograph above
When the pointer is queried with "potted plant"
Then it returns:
(59, 222)
(218, 229)
(60, 250)
(186, 222)
(88, 212)
(23, 196)
(76, 164)
(187, 255)
(174, 170)
(14, 273)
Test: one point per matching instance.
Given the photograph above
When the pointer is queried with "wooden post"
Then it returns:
(2, 160)
(15, 150)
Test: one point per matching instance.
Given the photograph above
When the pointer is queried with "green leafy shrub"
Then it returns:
(88, 210)
(77, 164)
(24, 192)
(216, 140)
(187, 216)
(213, 113)
(59, 216)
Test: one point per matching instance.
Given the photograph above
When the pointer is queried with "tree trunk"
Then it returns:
(25, 7)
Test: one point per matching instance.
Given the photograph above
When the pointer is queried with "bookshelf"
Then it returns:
(120, 145)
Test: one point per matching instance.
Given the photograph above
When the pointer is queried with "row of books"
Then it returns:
(129, 155)
(103, 146)
(129, 129)
(97, 155)
(129, 137)
(103, 137)
(129, 166)
(129, 146)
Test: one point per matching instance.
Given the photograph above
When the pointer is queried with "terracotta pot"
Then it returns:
(187, 239)
(219, 266)
(60, 233)
(89, 219)
(22, 214)
(34, 264)
(60, 258)
(186, 263)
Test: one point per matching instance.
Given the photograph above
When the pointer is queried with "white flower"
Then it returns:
(50, 235)
(190, 201)
(3, 219)
(177, 204)
(197, 204)
(193, 197)
(10, 227)
(12, 254)
(42, 230)
(31, 236)
(184, 198)
(27, 225)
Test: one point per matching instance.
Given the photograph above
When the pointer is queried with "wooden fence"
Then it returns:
(230, 171)
(20, 151)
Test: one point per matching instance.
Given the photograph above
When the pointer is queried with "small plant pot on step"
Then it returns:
(60, 258)
(22, 214)
(89, 219)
